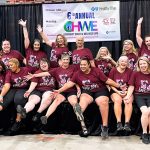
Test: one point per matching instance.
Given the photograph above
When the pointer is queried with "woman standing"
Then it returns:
(104, 61)
(33, 52)
(58, 47)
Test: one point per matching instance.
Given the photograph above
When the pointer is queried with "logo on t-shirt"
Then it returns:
(76, 59)
(87, 85)
(19, 82)
(145, 86)
(63, 79)
(33, 61)
(5, 61)
(48, 80)
(53, 56)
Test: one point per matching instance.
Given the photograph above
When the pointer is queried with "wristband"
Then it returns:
(1, 96)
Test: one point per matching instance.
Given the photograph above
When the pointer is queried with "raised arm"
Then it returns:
(25, 33)
(138, 32)
(44, 37)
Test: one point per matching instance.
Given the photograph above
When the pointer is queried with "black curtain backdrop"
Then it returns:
(130, 11)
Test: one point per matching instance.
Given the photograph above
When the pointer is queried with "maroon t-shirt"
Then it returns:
(121, 78)
(33, 58)
(94, 81)
(44, 83)
(64, 75)
(12, 54)
(2, 80)
(78, 54)
(141, 82)
(132, 60)
(104, 65)
(56, 55)
(143, 51)
(17, 80)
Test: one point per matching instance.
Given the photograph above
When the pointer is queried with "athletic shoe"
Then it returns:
(36, 118)
(84, 133)
(104, 132)
(145, 138)
(21, 111)
(44, 120)
(119, 126)
(127, 127)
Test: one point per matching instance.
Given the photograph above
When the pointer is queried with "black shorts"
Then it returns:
(142, 100)
(37, 92)
(67, 94)
(95, 95)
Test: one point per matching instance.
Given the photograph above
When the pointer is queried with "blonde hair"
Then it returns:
(144, 59)
(133, 47)
(64, 38)
(122, 56)
(15, 61)
(98, 57)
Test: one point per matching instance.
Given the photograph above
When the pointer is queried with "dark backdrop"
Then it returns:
(130, 11)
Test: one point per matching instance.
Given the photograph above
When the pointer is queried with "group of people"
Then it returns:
(78, 78)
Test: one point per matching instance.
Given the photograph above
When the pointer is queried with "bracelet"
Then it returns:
(1, 96)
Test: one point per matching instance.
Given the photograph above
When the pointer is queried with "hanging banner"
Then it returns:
(97, 21)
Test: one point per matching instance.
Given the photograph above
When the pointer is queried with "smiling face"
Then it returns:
(13, 66)
(65, 61)
(80, 42)
(60, 40)
(123, 62)
(44, 65)
(103, 52)
(143, 65)
(36, 46)
(6, 46)
(147, 41)
(84, 66)
(127, 47)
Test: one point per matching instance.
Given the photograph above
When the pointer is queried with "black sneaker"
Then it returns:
(16, 126)
(21, 111)
(44, 120)
(36, 118)
(127, 127)
(84, 133)
(145, 138)
(78, 112)
(104, 131)
(119, 126)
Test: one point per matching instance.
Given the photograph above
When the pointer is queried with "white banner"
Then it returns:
(97, 21)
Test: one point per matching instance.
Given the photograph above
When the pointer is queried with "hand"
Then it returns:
(122, 93)
(107, 57)
(26, 94)
(126, 99)
(140, 20)
(55, 93)
(22, 23)
(39, 28)
(1, 99)
(123, 87)
(29, 76)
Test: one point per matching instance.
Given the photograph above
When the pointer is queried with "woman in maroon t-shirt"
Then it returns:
(33, 53)
(81, 52)
(7, 53)
(144, 45)
(92, 82)
(130, 51)
(63, 75)
(58, 47)
(14, 88)
(140, 85)
(40, 90)
(104, 61)
(121, 74)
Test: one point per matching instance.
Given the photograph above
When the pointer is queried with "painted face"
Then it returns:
(80, 42)
(143, 65)
(127, 47)
(44, 65)
(65, 61)
(6, 46)
(84, 66)
(36, 46)
(147, 41)
(123, 62)
(60, 40)
(13, 67)
(103, 52)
